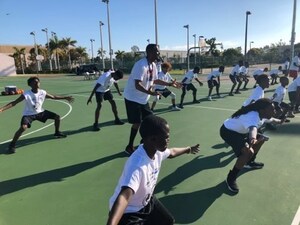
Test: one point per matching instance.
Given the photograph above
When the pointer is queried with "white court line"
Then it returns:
(296, 220)
(186, 106)
(42, 128)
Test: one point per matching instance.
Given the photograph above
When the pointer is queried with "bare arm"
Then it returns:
(12, 104)
(119, 206)
(140, 87)
(200, 83)
(56, 97)
(92, 93)
(186, 150)
(117, 88)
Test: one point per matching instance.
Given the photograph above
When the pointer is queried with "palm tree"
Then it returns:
(81, 54)
(18, 57)
(54, 47)
(65, 45)
(119, 56)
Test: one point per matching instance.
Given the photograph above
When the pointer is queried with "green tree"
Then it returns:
(19, 56)
(65, 45)
(120, 57)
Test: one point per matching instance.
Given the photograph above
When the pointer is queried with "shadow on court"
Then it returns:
(191, 168)
(189, 207)
(56, 175)
(288, 128)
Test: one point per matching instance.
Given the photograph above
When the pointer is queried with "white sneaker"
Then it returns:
(220, 96)
(175, 108)
(209, 98)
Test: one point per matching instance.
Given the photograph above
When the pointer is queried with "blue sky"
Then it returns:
(132, 22)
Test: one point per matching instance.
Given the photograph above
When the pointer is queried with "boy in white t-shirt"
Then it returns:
(243, 73)
(274, 74)
(33, 110)
(162, 89)
(133, 201)
(294, 94)
(257, 73)
(235, 78)
(258, 92)
(188, 85)
(282, 109)
(286, 66)
(213, 80)
(294, 67)
(102, 92)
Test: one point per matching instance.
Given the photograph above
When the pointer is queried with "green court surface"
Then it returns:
(69, 181)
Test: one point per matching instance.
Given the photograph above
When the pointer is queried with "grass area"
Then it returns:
(69, 181)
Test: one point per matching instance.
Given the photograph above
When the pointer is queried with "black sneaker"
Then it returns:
(230, 94)
(237, 92)
(180, 106)
(254, 165)
(96, 127)
(60, 135)
(196, 101)
(119, 122)
(129, 150)
(232, 185)
(11, 149)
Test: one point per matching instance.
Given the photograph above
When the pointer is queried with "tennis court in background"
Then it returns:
(69, 181)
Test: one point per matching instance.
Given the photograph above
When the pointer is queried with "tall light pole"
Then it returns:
(155, 15)
(38, 66)
(48, 48)
(109, 36)
(53, 35)
(92, 49)
(188, 47)
(194, 35)
(293, 36)
(102, 55)
(246, 33)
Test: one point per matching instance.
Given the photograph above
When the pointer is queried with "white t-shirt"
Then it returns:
(34, 102)
(296, 61)
(256, 94)
(142, 71)
(242, 123)
(106, 81)
(140, 173)
(258, 72)
(190, 75)
(235, 70)
(286, 65)
(274, 72)
(165, 77)
(280, 94)
(214, 74)
(294, 85)
(243, 70)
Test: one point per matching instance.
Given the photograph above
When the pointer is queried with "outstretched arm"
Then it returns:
(200, 83)
(56, 97)
(117, 87)
(186, 150)
(93, 92)
(12, 104)
(119, 206)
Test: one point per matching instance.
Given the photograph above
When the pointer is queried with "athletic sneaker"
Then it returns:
(254, 165)
(119, 122)
(290, 115)
(220, 96)
(196, 101)
(209, 98)
(180, 106)
(129, 150)
(60, 135)
(11, 149)
(230, 94)
(96, 127)
(231, 184)
(175, 108)
(237, 92)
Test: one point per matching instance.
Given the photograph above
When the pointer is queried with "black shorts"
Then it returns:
(164, 92)
(233, 79)
(212, 83)
(106, 96)
(42, 117)
(153, 213)
(292, 97)
(279, 106)
(136, 112)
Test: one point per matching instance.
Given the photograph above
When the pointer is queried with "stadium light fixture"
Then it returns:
(92, 49)
(188, 47)
(109, 35)
(48, 48)
(101, 41)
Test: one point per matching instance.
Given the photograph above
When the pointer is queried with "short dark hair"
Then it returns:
(150, 47)
(152, 125)
(119, 73)
(261, 78)
(32, 79)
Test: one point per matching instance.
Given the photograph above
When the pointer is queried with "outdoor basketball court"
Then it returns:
(69, 181)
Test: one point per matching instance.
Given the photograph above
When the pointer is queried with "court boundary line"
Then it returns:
(296, 220)
(46, 126)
